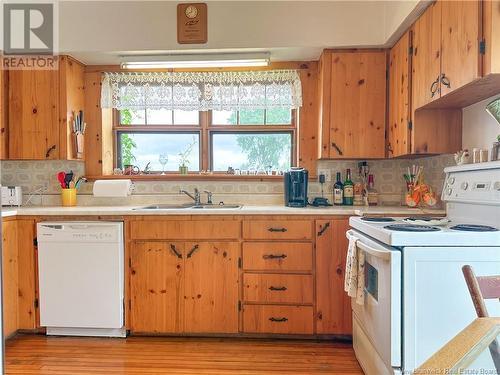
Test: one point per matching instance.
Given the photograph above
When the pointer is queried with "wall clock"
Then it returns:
(192, 23)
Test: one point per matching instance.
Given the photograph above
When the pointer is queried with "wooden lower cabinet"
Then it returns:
(278, 319)
(211, 287)
(10, 277)
(333, 306)
(19, 276)
(252, 280)
(179, 287)
(156, 287)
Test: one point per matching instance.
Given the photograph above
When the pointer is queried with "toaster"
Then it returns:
(12, 195)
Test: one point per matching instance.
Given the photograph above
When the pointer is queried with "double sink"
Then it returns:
(187, 206)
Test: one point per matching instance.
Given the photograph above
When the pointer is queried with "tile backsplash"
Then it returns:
(40, 186)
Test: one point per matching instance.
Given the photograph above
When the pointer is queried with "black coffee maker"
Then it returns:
(296, 187)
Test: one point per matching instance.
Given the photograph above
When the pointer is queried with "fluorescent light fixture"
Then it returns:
(195, 61)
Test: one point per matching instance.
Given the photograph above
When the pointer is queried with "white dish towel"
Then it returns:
(354, 282)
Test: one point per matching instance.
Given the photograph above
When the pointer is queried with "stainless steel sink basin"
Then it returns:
(189, 205)
(166, 206)
(218, 206)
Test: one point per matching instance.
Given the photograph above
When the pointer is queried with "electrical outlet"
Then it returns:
(327, 173)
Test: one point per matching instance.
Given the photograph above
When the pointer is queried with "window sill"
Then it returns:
(188, 177)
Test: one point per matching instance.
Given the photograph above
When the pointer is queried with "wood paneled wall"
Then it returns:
(99, 136)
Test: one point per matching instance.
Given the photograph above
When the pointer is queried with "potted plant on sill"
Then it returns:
(184, 157)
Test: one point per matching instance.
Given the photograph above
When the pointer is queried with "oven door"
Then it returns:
(379, 318)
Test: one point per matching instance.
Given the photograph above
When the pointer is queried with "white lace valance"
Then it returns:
(202, 91)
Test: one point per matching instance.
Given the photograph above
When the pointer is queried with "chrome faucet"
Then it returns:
(209, 196)
(196, 197)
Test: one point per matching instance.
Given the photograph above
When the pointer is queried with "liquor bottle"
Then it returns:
(348, 189)
(338, 191)
(372, 192)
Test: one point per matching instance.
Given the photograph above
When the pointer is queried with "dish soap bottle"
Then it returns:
(348, 189)
(372, 192)
(338, 191)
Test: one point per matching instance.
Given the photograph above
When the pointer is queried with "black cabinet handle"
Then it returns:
(445, 81)
(51, 148)
(190, 254)
(274, 256)
(334, 145)
(283, 230)
(323, 229)
(176, 253)
(278, 320)
(278, 288)
(434, 87)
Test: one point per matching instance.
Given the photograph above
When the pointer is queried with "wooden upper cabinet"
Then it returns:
(398, 142)
(3, 117)
(41, 106)
(491, 34)
(72, 100)
(426, 62)
(33, 114)
(353, 105)
(460, 37)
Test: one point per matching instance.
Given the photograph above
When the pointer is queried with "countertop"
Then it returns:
(245, 210)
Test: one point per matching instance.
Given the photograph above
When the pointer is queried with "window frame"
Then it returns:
(206, 129)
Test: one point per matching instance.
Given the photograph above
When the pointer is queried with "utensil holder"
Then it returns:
(68, 197)
(79, 142)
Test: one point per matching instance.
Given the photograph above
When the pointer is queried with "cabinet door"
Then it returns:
(460, 35)
(156, 287)
(211, 287)
(27, 274)
(3, 111)
(426, 62)
(33, 114)
(358, 97)
(333, 306)
(399, 97)
(10, 277)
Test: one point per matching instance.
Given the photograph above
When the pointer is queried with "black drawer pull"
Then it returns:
(190, 254)
(274, 256)
(176, 253)
(278, 320)
(283, 230)
(278, 288)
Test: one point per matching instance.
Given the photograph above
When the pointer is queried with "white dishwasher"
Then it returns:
(81, 278)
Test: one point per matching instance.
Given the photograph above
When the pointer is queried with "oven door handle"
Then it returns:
(384, 255)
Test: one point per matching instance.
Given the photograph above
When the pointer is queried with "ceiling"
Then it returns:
(99, 32)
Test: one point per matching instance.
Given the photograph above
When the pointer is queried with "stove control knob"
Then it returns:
(449, 191)
(496, 186)
(465, 185)
(451, 180)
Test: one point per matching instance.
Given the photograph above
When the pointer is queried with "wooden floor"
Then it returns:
(36, 354)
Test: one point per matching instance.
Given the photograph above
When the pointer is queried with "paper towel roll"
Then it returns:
(112, 188)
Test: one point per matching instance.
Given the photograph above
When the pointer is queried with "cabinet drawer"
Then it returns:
(187, 229)
(262, 288)
(278, 319)
(277, 229)
(277, 256)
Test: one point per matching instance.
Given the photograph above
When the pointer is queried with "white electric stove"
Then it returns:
(416, 297)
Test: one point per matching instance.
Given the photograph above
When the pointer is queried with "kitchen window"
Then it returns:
(206, 121)
(251, 141)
